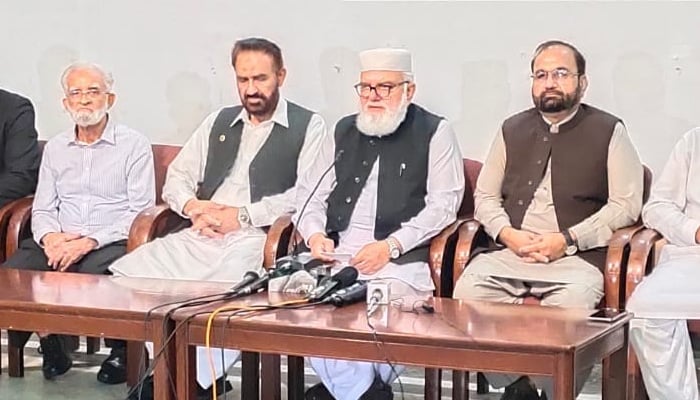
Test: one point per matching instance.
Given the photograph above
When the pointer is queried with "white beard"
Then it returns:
(383, 124)
(84, 119)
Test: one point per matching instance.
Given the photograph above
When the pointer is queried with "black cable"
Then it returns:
(200, 300)
(381, 347)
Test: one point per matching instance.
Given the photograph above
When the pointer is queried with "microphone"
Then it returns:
(248, 278)
(344, 278)
(295, 251)
(261, 282)
(352, 294)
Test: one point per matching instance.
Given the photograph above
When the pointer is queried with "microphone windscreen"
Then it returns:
(346, 276)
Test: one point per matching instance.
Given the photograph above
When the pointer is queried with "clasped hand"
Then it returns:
(211, 219)
(533, 247)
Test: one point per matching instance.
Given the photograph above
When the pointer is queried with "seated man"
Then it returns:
(398, 180)
(665, 300)
(234, 177)
(93, 181)
(19, 163)
(558, 180)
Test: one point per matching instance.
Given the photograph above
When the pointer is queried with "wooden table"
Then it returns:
(475, 336)
(97, 305)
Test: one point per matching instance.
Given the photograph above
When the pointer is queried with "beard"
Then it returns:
(554, 101)
(264, 107)
(84, 118)
(382, 124)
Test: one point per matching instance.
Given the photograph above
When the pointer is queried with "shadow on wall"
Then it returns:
(189, 102)
(340, 71)
(51, 117)
(486, 95)
(640, 95)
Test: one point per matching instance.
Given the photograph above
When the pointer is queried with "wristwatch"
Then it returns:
(571, 246)
(394, 248)
(243, 217)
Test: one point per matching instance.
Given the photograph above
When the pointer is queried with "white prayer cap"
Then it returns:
(386, 59)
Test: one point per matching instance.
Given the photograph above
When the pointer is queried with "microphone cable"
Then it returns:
(381, 346)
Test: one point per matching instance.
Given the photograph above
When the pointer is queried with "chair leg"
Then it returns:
(71, 342)
(482, 385)
(635, 384)
(433, 384)
(460, 385)
(295, 378)
(93, 345)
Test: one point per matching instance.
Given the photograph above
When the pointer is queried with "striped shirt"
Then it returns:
(94, 190)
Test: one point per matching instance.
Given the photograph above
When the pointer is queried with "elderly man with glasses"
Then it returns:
(397, 181)
(558, 180)
(93, 180)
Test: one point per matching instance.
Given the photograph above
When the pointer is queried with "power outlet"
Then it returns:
(378, 292)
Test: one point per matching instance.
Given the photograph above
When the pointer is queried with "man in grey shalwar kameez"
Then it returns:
(234, 176)
(558, 180)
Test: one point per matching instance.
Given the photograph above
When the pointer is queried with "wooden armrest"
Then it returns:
(466, 243)
(441, 248)
(153, 223)
(278, 240)
(5, 214)
(18, 225)
(640, 250)
(615, 265)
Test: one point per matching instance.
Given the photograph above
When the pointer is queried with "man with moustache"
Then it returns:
(233, 177)
(397, 181)
(93, 181)
(558, 180)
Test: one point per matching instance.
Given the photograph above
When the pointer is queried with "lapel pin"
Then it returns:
(222, 138)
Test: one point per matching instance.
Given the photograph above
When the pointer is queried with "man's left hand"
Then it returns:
(372, 257)
(73, 251)
(547, 247)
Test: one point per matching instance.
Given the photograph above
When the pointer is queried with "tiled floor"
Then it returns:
(80, 382)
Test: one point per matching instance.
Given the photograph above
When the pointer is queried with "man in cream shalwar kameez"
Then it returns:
(534, 260)
(669, 296)
(207, 251)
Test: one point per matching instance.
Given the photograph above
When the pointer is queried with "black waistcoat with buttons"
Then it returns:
(579, 156)
(274, 168)
(403, 171)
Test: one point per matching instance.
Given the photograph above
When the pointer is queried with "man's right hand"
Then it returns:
(319, 244)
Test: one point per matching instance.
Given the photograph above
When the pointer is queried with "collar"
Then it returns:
(279, 117)
(108, 134)
(554, 128)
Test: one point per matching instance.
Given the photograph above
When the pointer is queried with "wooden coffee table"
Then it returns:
(96, 305)
(476, 336)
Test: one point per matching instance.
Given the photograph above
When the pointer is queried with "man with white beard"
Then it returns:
(93, 181)
(397, 181)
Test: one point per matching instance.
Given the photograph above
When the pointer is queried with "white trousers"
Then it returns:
(348, 380)
(204, 368)
(665, 357)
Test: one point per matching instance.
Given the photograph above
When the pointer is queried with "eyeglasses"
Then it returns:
(557, 75)
(382, 90)
(90, 93)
